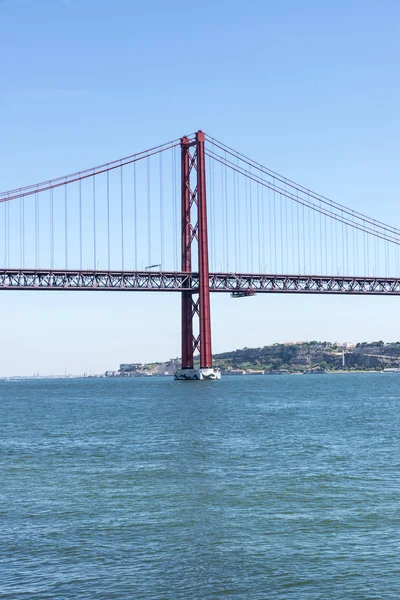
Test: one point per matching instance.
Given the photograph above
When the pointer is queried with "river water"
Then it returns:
(249, 488)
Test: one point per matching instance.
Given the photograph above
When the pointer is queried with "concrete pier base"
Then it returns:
(197, 374)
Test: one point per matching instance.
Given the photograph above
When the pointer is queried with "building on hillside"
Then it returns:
(345, 345)
(315, 371)
(254, 372)
(232, 372)
(129, 367)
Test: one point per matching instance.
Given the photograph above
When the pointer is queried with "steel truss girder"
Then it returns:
(92, 280)
(169, 281)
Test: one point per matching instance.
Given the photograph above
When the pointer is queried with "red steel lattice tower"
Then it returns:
(193, 185)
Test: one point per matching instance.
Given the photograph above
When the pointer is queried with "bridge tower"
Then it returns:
(195, 303)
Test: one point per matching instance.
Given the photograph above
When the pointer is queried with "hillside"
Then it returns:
(299, 356)
(293, 357)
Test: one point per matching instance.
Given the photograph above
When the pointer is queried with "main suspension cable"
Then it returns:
(226, 149)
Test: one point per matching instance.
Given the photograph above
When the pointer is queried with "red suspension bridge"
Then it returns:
(154, 221)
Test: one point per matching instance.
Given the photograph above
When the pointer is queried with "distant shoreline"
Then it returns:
(14, 378)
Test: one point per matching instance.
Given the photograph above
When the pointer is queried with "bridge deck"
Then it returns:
(162, 281)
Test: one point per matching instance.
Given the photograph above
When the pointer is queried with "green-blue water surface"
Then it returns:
(248, 488)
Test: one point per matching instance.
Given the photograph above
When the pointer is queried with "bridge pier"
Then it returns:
(195, 303)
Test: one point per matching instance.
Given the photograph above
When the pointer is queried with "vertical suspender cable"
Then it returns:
(365, 252)
(258, 228)
(343, 254)
(210, 202)
(275, 241)
(239, 232)
(8, 234)
(52, 228)
(304, 241)
(226, 216)
(326, 248)
(94, 223)
(263, 228)
(251, 222)
(286, 233)
(270, 230)
(135, 240)
(122, 217)
(378, 257)
(284, 236)
(108, 223)
(20, 231)
(386, 257)
(315, 242)
(161, 209)
(262, 224)
(148, 213)
(309, 237)
(223, 216)
(235, 219)
(5, 234)
(23, 231)
(358, 251)
(293, 238)
(335, 244)
(281, 230)
(320, 239)
(66, 225)
(247, 224)
(174, 211)
(298, 233)
(213, 212)
(36, 230)
(80, 226)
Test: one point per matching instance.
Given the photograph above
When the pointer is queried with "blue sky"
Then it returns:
(310, 89)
